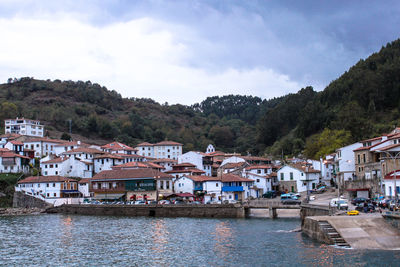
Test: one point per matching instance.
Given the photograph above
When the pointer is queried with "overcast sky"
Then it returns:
(184, 51)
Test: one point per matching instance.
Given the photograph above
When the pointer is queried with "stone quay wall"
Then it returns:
(21, 200)
(308, 210)
(312, 229)
(208, 211)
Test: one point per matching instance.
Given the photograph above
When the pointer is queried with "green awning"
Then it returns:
(109, 196)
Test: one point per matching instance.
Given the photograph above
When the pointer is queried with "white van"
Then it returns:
(340, 203)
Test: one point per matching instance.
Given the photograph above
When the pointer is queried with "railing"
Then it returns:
(232, 189)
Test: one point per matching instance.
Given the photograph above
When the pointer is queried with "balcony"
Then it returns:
(198, 188)
(232, 189)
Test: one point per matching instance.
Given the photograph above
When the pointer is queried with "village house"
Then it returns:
(118, 148)
(201, 160)
(130, 185)
(12, 162)
(261, 175)
(205, 188)
(297, 178)
(43, 146)
(56, 190)
(182, 169)
(235, 188)
(24, 126)
(161, 150)
(166, 163)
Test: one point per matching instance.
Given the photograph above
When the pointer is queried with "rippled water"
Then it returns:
(74, 240)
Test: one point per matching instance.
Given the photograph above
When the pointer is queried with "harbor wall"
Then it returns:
(208, 211)
(313, 210)
(312, 229)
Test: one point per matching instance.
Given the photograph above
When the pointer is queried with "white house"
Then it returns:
(201, 160)
(161, 150)
(24, 126)
(166, 163)
(56, 190)
(206, 187)
(390, 182)
(11, 162)
(118, 148)
(345, 164)
(297, 178)
(43, 146)
(235, 187)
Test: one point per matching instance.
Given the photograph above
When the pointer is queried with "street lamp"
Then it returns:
(395, 172)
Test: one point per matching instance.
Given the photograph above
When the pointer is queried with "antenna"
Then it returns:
(70, 126)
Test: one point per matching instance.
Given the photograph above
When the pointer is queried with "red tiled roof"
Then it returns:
(72, 143)
(145, 144)
(388, 147)
(164, 160)
(43, 139)
(84, 150)
(234, 178)
(190, 170)
(130, 173)
(84, 180)
(10, 154)
(117, 146)
(108, 156)
(202, 178)
(168, 143)
(253, 158)
(18, 143)
(255, 167)
(371, 139)
(185, 164)
(45, 179)
(55, 160)
(233, 165)
(137, 164)
(304, 168)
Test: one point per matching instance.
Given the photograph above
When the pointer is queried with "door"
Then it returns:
(236, 196)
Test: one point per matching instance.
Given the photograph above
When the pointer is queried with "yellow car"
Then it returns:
(353, 212)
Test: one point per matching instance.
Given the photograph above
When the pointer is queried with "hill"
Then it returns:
(362, 103)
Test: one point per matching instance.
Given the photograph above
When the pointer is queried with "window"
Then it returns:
(54, 185)
(167, 185)
(291, 176)
(56, 172)
(47, 185)
(48, 194)
(258, 171)
(358, 159)
(55, 194)
(302, 174)
(37, 145)
(364, 158)
(282, 176)
(216, 185)
(258, 180)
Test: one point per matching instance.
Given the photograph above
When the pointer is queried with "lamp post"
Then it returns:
(395, 172)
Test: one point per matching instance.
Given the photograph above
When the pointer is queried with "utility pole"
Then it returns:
(70, 126)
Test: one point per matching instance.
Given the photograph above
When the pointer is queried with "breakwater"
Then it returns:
(197, 211)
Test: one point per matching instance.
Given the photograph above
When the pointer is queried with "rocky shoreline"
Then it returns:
(20, 211)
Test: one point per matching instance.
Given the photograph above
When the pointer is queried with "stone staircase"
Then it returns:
(332, 234)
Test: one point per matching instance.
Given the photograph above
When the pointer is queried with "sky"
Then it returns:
(184, 51)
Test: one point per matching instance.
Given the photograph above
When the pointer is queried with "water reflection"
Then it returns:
(67, 226)
(160, 240)
(223, 239)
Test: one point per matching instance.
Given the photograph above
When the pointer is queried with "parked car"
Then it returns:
(353, 212)
(140, 202)
(164, 202)
(269, 194)
(152, 202)
(359, 200)
(340, 203)
(288, 196)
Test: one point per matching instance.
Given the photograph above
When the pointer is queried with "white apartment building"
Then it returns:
(345, 163)
(161, 150)
(298, 178)
(24, 126)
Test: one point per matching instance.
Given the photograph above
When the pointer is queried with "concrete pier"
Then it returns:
(360, 232)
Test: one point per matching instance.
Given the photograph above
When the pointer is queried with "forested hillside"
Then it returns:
(362, 103)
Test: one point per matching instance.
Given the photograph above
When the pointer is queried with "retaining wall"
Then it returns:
(210, 211)
(21, 200)
(312, 229)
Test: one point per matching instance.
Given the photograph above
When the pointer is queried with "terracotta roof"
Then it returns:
(216, 153)
(55, 160)
(234, 178)
(164, 160)
(117, 146)
(391, 175)
(388, 147)
(202, 178)
(136, 164)
(304, 168)
(131, 173)
(368, 147)
(43, 139)
(144, 144)
(45, 179)
(168, 143)
(134, 156)
(18, 143)
(84, 180)
(233, 165)
(84, 150)
(253, 158)
(185, 164)
(371, 139)
(108, 156)
(255, 167)
(11, 154)
(190, 170)
(10, 135)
